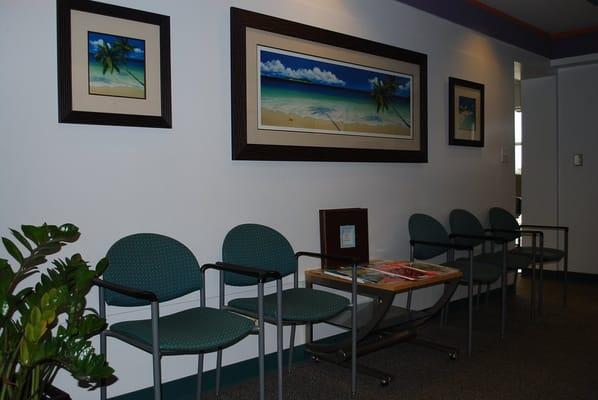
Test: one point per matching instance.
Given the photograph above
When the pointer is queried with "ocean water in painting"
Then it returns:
(311, 94)
(116, 65)
(467, 115)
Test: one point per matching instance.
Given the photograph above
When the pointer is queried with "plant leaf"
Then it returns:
(12, 249)
(21, 239)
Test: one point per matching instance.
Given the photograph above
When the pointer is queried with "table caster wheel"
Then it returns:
(385, 382)
(315, 358)
(452, 355)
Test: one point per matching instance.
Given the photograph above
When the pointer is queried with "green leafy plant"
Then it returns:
(46, 326)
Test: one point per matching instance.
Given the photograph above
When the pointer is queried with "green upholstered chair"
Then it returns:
(429, 239)
(503, 223)
(467, 229)
(262, 247)
(147, 269)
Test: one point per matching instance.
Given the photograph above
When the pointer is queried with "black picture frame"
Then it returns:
(161, 113)
(466, 92)
(244, 149)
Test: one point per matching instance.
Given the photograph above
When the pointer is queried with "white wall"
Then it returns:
(560, 121)
(578, 133)
(540, 158)
(113, 181)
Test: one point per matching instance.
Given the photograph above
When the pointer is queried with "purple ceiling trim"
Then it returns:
(465, 13)
(482, 20)
(575, 45)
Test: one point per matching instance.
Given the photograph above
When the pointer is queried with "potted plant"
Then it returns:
(44, 323)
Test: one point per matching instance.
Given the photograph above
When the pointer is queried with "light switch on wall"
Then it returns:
(578, 160)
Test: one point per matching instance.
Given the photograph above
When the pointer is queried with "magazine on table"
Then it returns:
(364, 275)
(407, 270)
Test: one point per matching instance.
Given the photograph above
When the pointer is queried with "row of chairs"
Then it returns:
(430, 239)
(148, 268)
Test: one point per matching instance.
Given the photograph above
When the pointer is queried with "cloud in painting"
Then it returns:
(275, 68)
(95, 44)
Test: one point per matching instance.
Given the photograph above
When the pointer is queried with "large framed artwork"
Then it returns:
(466, 113)
(304, 93)
(113, 65)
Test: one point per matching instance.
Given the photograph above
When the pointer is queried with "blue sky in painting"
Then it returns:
(96, 39)
(285, 66)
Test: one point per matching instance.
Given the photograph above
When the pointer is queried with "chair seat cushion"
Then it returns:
(549, 254)
(298, 305)
(514, 261)
(482, 272)
(192, 331)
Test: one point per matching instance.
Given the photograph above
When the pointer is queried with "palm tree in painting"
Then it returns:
(325, 111)
(109, 57)
(122, 45)
(112, 57)
(383, 91)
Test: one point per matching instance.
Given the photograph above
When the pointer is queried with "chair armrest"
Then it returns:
(482, 237)
(261, 274)
(322, 256)
(442, 244)
(127, 291)
(548, 227)
(520, 231)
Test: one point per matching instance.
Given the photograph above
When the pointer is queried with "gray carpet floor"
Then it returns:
(553, 357)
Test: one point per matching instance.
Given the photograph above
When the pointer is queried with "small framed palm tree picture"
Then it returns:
(113, 65)
(466, 113)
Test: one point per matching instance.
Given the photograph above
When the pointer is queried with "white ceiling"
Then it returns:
(551, 16)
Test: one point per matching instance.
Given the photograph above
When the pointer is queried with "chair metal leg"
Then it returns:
(565, 268)
(354, 333)
(103, 388)
(261, 342)
(503, 288)
(156, 353)
(532, 302)
(487, 293)
(515, 281)
(291, 347)
(470, 301)
(541, 285)
(279, 335)
(199, 375)
(218, 371)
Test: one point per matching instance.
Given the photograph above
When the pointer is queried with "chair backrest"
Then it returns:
(148, 261)
(502, 219)
(464, 222)
(257, 246)
(424, 227)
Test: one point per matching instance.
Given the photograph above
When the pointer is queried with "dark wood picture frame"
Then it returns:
(455, 138)
(66, 113)
(331, 221)
(242, 21)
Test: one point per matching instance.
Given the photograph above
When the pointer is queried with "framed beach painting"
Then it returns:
(307, 94)
(113, 65)
(466, 113)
